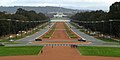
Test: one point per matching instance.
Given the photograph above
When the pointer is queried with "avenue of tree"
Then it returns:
(22, 20)
(104, 22)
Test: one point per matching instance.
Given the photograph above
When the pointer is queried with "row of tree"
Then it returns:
(104, 22)
(20, 21)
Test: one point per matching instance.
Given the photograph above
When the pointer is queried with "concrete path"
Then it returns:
(32, 37)
(58, 53)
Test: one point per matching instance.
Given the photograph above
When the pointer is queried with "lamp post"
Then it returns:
(16, 26)
(103, 26)
(110, 27)
(27, 22)
(9, 28)
(21, 27)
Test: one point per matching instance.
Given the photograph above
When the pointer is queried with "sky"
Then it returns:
(74, 4)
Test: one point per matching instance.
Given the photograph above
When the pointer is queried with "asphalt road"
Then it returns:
(32, 38)
(95, 42)
(89, 38)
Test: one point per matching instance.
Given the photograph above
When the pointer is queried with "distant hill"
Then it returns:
(47, 9)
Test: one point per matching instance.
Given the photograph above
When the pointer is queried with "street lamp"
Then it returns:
(110, 27)
(102, 26)
(26, 24)
(9, 27)
(16, 23)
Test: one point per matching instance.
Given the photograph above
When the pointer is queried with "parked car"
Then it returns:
(38, 39)
(82, 40)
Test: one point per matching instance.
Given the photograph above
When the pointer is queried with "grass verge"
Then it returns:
(100, 38)
(20, 50)
(99, 51)
(69, 32)
(107, 39)
(76, 26)
(24, 35)
(50, 32)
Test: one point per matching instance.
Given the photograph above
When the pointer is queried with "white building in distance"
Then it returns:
(59, 15)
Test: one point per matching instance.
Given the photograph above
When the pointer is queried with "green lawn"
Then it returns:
(99, 51)
(48, 35)
(71, 35)
(11, 43)
(107, 39)
(76, 26)
(20, 50)
(69, 32)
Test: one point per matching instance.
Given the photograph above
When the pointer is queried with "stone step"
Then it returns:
(59, 40)
(57, 45)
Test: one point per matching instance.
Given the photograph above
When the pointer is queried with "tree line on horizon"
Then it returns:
(13, 23)
(109, 22)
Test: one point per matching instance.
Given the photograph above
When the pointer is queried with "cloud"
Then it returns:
(78, 4)
(6, 2)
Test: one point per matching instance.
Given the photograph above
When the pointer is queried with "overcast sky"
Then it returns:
(74, 4)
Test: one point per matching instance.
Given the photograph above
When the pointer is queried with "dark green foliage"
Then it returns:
(93, 15)
(107, 27)
(13, 27)
(115, 11)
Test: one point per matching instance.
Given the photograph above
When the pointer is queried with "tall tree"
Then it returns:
(115, 11)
